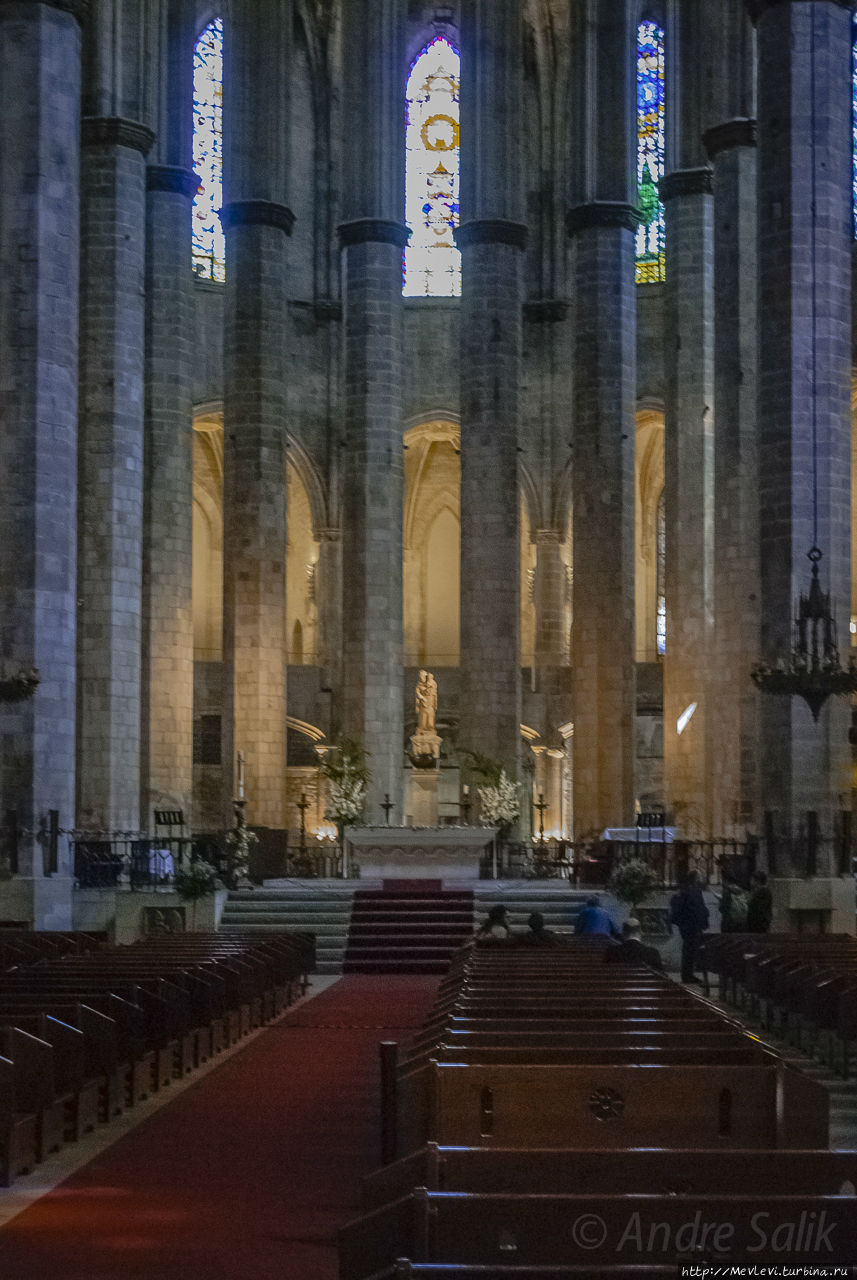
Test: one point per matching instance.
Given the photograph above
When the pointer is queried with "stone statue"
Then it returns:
(426, 702)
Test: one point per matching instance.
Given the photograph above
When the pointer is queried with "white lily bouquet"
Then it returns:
(347, 779)
(500, 805)
(240, 842)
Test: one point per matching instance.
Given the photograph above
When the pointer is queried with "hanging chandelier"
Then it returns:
(812, 670)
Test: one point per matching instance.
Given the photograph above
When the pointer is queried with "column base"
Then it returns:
(813, 906)
(38, 902)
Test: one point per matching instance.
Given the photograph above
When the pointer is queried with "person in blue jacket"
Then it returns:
(690, 914)
(592, 919)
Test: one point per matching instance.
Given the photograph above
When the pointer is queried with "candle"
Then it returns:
(240, 775)
(466, 789)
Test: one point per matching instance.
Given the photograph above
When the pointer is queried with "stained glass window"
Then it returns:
(209, 247)
(651, 264)
(661, 552)
(432, 264)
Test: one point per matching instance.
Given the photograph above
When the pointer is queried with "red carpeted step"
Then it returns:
(407, 927)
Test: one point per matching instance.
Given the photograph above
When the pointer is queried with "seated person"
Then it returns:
(537, 935)
(632, 949)
(495, 927)
(593, 920)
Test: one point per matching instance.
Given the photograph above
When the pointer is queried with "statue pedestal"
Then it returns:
(425, 749)
(421, 798)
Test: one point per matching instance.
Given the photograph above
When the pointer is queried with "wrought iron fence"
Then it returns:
(136, 860)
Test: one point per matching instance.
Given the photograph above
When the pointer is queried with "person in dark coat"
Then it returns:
(760, 908)
(593, 920)
(632, 949)
(690, 916)
(537, 935)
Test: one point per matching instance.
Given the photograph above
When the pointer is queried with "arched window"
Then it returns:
(432, 264)
(209, 247)
(661, 553)
(651, 265)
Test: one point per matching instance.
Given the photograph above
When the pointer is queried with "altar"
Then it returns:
(418, 853)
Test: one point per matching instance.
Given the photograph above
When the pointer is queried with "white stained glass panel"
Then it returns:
(432, 264)
(209, 246)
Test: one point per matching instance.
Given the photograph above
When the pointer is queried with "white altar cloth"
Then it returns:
(643, 835)
(419, 853)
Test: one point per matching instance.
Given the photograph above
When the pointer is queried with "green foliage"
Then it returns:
(197, 880)
(481, 768)
(632, 880)
(347, 761)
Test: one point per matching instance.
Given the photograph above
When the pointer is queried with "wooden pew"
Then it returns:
(33, 1085)
(540, 1230)
(19, 1129)
(75, 1090)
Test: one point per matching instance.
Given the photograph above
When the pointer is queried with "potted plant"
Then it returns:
(632, 881)
(500, 805)
(198, 879)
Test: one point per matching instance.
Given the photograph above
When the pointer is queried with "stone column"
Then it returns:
(110, 521)
(602, 227)
(40, 54)
(550, 588)
(689, 493)
(373, 237)
(492, 238)
(257, 223)
(730, 141)
(804, 255)
(167, 702)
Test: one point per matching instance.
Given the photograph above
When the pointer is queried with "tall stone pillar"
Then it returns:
(491, 238)
(730, 141)
(602, 226)
(805, 248)
(257, 223)
(373, 237)
(110, 517)
(167, 701)
(550, 593)
(40, 53)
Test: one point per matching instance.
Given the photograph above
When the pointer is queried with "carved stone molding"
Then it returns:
(686, 182)
(491, 231)
(257, 213)
(740, 132)
(373, 231)
(172, 177)
(115, 131)
(602, 213)
(78, 9)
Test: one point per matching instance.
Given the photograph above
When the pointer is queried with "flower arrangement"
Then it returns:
(632, 880)
(500, 804)
(196, 880)
(347, 777)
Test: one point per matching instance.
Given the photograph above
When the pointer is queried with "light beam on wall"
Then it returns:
(685, 718)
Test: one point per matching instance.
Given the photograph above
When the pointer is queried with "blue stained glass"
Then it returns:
(651, 258)
(431, 263)
(209, 245)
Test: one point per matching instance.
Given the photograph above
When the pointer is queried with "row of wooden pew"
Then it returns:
(90, 1033)
(803, 987)
(559, 1116)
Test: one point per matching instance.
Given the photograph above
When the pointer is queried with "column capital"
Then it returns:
(79, 9)
(602, 213)
(115, 131)
(547, 537)
(373, 231)
(491, 231)
(686, 182)
(756, 8)
(739, 132)
(257, 213)
(172, 177)
(328, 533)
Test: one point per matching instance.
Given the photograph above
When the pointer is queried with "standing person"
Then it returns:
(760, 908)
(690, 915)
(632, 949)
(593, 920)
(733, 907)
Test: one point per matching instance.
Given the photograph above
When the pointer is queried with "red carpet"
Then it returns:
(246, 1176)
